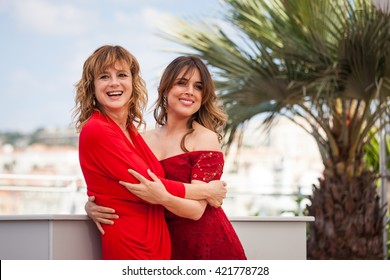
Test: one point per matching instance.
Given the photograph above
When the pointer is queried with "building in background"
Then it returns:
(265, 177)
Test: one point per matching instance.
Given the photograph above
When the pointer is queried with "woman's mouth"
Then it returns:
(115, 93)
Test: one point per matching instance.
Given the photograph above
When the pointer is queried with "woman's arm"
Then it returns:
(154, 192)
(213, 192)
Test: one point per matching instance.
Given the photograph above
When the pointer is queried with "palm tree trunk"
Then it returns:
(348, 219)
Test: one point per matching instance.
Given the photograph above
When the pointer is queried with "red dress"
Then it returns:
(105, 155)
(212, 237)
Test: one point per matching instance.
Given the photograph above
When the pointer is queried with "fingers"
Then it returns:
(103, 220)
(138, 176)
(216, 203)
(106, 218)
(153, 176)
(99, 226)
(212, 202)
(131, 187)
(103, 209)
(136, 189)
(142, 179)
(91, 206)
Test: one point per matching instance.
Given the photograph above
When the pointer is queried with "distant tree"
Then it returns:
(35, 137)
(11, 137)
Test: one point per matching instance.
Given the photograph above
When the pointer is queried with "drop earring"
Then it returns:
(165, 102)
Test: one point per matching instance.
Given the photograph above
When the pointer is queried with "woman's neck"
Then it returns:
(176, 126)
(120, 118)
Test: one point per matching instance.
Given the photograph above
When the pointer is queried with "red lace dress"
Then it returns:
(212, 237)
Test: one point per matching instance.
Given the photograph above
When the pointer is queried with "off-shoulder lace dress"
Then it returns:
(212, 237)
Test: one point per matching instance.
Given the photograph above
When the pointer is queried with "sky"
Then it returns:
(44, 44)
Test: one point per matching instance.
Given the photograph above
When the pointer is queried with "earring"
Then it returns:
(165, 102)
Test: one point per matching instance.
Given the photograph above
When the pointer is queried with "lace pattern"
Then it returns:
(212, 237)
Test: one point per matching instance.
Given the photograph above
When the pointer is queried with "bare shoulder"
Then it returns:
(204, 138)
(148, 135)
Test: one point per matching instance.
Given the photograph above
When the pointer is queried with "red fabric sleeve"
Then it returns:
(173, 187)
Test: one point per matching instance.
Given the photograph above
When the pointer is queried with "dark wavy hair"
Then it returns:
(210, 115)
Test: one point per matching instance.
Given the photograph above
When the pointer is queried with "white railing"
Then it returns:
(75, 237)
(56, 194)
(32, 182)
(38, 221)
(41, 194)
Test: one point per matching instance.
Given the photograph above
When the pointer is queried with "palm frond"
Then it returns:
(332, 64)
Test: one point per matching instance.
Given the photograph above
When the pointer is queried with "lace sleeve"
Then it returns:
(207, 166)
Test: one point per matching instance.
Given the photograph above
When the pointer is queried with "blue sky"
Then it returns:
(44, 44)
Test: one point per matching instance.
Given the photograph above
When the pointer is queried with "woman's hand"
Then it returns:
(153, 192)
(99, 214)
(217, 193)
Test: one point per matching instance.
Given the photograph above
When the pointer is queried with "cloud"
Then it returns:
(52, 17)
(47, 42)
(18, 81)
(153, 17)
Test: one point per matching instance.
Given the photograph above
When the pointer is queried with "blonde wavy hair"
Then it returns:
(211, 115)
(104, 57)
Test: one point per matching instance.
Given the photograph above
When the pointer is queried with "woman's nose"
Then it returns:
(114, 81)
(190, 90)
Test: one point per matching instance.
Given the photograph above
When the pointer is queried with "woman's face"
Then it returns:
(113, 88)
(185, 96)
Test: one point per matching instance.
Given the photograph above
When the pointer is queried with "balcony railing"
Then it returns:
(75, 237)
(27, 231)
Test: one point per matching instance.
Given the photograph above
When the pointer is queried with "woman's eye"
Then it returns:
(199, 87)
(103, 77)
(123, 75)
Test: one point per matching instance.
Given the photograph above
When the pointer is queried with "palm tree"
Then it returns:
(325, 65)
(372, 153)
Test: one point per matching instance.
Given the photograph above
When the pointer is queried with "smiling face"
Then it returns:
(185, 96)
(113, 88)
